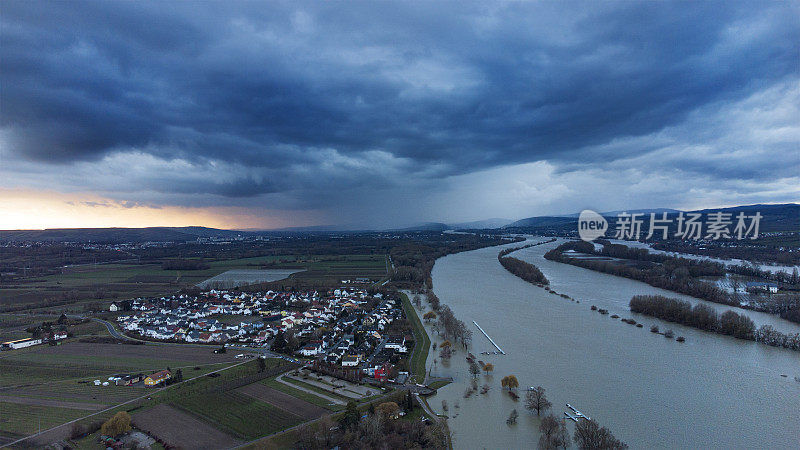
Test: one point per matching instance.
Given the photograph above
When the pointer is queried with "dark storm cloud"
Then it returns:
(450, 88)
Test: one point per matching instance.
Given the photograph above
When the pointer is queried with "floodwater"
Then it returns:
(710, 392)
(241, 277)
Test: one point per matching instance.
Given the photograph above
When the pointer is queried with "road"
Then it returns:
(112, 329)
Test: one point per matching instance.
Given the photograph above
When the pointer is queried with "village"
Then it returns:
(345, 332)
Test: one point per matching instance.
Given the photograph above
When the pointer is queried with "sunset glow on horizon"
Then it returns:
(28, 209)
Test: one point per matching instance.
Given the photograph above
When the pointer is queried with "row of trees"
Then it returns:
(448, 325)
(706, 318)
(661, 271)
(752, 270)
(698, 316)
(522, 269)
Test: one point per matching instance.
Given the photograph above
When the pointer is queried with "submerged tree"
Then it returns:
(536, 400)
(591, 436)
(554, 433)
(512, 418)
(509, 382)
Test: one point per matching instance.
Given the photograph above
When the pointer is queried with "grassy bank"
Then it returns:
(421, 340)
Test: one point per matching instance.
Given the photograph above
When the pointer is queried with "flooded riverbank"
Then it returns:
(709, 392)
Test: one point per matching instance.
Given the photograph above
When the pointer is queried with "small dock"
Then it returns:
(499, 350)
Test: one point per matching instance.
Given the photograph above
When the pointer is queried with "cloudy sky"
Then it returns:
(272, 114)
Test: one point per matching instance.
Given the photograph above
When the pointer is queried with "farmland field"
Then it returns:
(181, 429)
(56, 383)
(239, 277)
(310, 398)
(238, 413)
(282, 400)
(19, 420)
(79, 286)
(56, 372)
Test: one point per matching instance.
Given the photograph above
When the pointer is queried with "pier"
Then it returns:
(500, 350)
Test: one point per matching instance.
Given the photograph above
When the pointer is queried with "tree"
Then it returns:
(262, 365)
(117, 425)
(178, 376)
(509, 382)
(430, 315)
(351, 416)
(387, 410)
(553, 433)
(590, 436)
(488, 367)
(474, 369)
(512, 418)
(535, 399)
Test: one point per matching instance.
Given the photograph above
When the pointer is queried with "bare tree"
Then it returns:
(535, 399)
(474, 369)
(590, 436)
(554, 433)
(512, 418)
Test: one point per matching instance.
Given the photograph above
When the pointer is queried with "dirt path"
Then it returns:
(51, 403)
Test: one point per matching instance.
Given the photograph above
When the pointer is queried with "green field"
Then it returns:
(421, 341)
(237, 413)
(20, 420)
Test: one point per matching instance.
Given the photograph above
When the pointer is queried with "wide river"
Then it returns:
(710, 392)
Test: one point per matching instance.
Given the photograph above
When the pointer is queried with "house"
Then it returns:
(397, 343)
(311, 349)
(114, 307)
(157, 378)
(382, 373)
(772, 288)
(350, 361)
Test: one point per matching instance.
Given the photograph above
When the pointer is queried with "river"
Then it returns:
(710, 392)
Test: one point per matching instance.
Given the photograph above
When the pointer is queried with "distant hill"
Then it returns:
(783, 217)
(427, 226)
(543, 221)
(481, 224)
(117, 235)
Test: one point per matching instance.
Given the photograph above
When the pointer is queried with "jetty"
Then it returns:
(577, 414)
(499, 350)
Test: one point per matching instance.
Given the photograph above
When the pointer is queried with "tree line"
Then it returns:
(451, 327)
(706, 318)
(520, 268)
(661, 271)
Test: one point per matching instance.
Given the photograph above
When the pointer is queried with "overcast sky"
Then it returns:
(264, 114)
